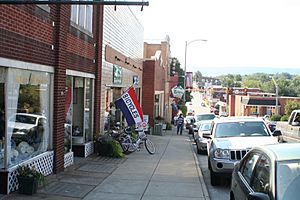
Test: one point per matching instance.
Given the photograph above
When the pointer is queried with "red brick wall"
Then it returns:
(148, 90)
(159, 76)
(27, 34)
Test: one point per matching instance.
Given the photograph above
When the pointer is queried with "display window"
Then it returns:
(69, 111)
(25, 114)
(79, 111)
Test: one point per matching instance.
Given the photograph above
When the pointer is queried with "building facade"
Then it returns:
(122, 63)
(156, 81)
(50, 78)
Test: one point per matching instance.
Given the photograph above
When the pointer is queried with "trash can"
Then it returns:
(158, 129)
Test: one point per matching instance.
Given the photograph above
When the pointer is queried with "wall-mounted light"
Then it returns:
(126, 62)
(134, 66)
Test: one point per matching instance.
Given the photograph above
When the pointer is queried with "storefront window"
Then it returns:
(88, 110)
(2, 116)
(78, 110)
(69, 112)
(27, 114)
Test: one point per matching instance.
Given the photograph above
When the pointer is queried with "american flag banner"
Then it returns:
(130, 107)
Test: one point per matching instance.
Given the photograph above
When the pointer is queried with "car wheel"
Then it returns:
(214, 178)
(232, 196)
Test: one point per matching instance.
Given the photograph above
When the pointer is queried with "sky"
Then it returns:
(241, 34)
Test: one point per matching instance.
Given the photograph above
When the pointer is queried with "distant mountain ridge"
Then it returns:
(246, 71)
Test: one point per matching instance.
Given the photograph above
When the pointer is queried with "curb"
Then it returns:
(200, 175)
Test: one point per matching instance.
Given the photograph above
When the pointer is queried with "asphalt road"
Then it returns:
(220, 192)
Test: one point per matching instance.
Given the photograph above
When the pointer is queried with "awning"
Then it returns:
(260, 102)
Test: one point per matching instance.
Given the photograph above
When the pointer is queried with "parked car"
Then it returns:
(25, 126)
(189, 123)
(201, 137)
(268, 172)
(202, 116)
(231, 139)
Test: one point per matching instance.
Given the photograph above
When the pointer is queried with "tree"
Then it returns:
(198, 76)
(290, 106)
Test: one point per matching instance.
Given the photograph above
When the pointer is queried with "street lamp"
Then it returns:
(186, 45)
(276, 86)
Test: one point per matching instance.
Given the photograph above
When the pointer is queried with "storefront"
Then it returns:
(25, 127)
(78, 135)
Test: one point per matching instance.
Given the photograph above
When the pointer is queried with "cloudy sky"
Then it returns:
(240, 33)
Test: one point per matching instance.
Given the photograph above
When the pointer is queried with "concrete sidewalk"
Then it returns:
(172, 173)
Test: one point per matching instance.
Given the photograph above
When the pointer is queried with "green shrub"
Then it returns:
(284, 118)
(169, 126)
(275, 117)
(117, 150)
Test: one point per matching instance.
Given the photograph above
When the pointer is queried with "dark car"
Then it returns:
(189, 123)
(268, 172)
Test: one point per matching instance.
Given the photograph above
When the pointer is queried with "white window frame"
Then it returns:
(82, 17)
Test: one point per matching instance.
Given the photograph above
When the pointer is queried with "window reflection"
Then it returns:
(27, 114)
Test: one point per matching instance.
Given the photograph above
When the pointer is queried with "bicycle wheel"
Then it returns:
(124, 144)
(150, 147)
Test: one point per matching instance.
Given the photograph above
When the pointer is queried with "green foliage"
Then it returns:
(183, 109)
(284, 118)
(28, 172)
(198, 76)
(117, 150)
(275, 117)
(188, 96)
(230, 80)
(169, 126)
(290, 106)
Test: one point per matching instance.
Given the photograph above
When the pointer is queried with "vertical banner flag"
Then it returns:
(189, 80)
(130, 107)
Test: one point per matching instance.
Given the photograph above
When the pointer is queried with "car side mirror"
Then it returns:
(258, 196)
(295, 124)
(277, 133)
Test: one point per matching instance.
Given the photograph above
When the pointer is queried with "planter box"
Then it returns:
(27, 185)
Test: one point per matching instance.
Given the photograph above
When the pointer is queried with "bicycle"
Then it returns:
(130, 144)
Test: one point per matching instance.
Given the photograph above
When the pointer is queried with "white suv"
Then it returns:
(231, 138)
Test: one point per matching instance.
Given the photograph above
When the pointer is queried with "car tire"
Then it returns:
(231, 196)
(214, 178)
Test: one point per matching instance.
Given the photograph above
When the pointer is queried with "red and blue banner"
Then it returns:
(130, 107)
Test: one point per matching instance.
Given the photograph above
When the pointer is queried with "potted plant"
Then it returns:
(29, 179)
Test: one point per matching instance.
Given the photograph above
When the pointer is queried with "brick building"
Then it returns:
(156, 79)
(57, 66)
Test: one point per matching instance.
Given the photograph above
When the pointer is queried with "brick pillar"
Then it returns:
(62, 22)
(98, 61)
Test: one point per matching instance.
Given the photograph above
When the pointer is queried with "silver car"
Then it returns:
(202, 135)
(231, 139)
(268, 172)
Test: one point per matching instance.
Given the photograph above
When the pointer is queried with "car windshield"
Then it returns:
(25, 119)
(205, 127)
(238, 129)
(205, 117)
(288, 180)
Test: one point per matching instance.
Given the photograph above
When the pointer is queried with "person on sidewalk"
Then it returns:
(180, 122)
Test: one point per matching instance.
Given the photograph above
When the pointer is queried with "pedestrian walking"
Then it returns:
(180, 122)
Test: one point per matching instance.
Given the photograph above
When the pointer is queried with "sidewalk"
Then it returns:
(172, 173)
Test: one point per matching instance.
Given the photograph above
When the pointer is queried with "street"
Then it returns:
(220, 192)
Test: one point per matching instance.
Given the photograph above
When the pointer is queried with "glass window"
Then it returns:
(82, 15)
(2, 116)
(69, 115)
(237, 129)
(88, 118)
(288, 180)
(261, 176)
(248, 165)
(28, 113)
(78, 110)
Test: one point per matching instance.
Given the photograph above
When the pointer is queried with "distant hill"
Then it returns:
(243, 71)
